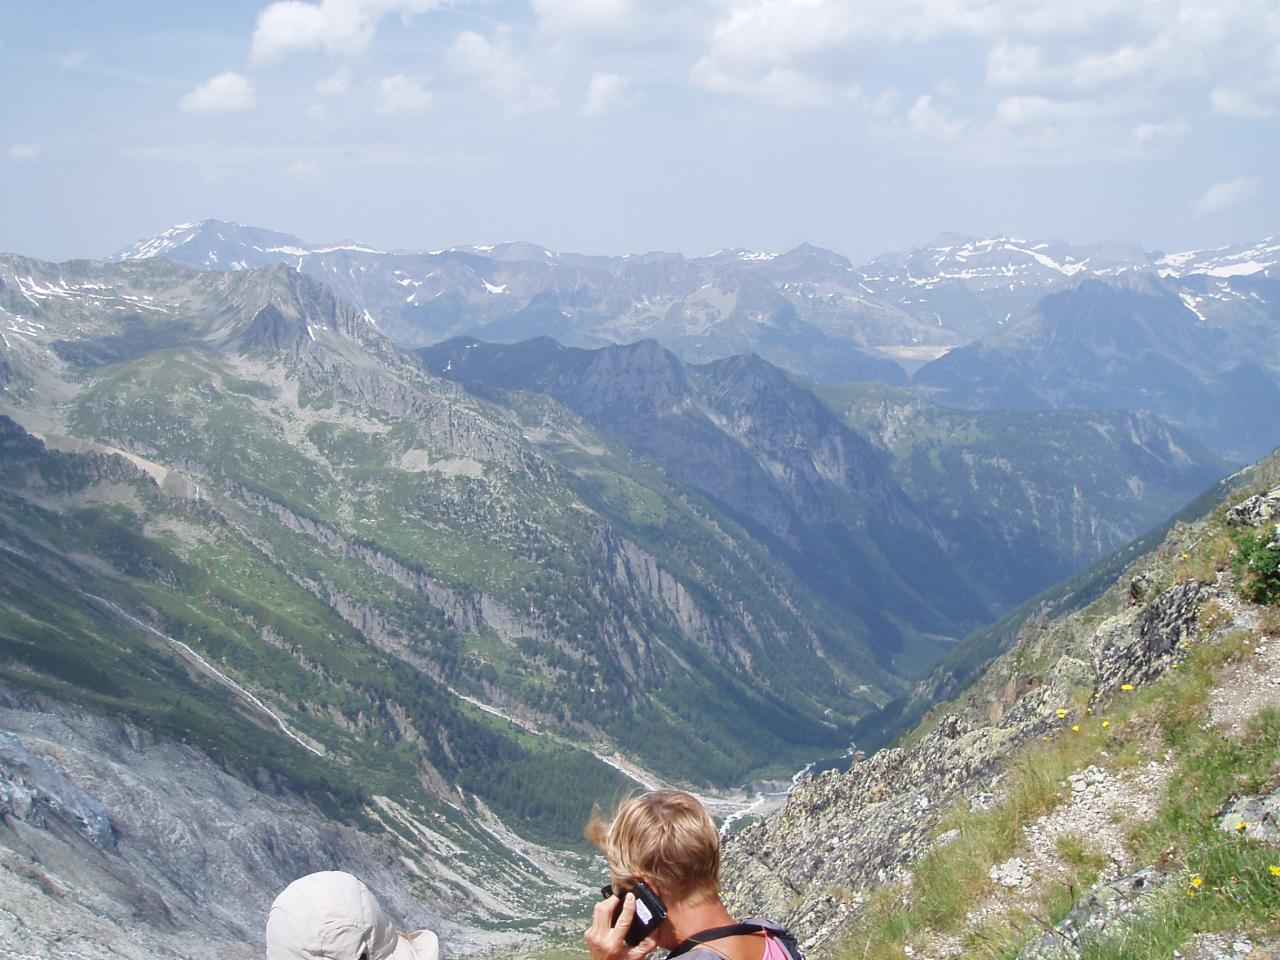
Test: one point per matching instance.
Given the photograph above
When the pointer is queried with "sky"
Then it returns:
(619, 126)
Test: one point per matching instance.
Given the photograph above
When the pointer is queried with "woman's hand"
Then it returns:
(605, 942)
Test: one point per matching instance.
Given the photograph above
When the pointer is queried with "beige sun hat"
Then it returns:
(332, 915)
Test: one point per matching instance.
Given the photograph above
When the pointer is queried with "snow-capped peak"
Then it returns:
(1233, 260)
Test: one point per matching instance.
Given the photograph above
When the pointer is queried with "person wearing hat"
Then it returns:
(332, 915)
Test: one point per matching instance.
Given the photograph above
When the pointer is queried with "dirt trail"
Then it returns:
(1103, 806)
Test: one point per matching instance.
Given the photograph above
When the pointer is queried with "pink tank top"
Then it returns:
(773, 949)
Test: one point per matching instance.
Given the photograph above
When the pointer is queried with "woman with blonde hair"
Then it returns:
(664, 862)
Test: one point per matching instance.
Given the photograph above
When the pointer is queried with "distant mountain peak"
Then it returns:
(951, 239)
(225, 245)
(1232, 260)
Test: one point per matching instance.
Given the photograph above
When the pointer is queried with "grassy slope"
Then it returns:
(1222, 882)
(513, 535)
(242, 609)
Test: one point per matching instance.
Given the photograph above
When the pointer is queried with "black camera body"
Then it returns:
(650, 911)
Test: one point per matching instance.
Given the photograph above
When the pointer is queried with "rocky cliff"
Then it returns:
(854, 847)
(117, 843)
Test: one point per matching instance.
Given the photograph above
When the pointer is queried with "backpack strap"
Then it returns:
(782, 934)
(715, 933)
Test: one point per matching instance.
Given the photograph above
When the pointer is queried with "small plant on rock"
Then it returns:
(1257, 566)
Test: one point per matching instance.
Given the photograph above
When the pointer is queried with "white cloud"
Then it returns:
(1102, 73)
(337, 27)
(24, 153)
(779, 86)
(1245, 104)
(594, 27)
(603, 91)
(1147, 136)
(1021, 112)
(759, 50)
(303, 170)
(927, 120)
(1014, 65)
(879, 105)
(1024, 130)
(1223, 195)
(494, 67)
(227, 92)
(582, 16)
(336, 84)
(72, 59)
(402, 94)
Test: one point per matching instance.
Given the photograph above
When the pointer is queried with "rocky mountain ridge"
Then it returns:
(445, 615)
(857, 860)
(776, 451)
(1131, 343)
(809, 310)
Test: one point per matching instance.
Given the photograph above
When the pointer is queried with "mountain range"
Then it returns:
(1193, 337)
(450, 596)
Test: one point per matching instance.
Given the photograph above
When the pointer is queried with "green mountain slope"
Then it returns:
(1029, 498)
(313, 489)
(770, 456)
(976, 505)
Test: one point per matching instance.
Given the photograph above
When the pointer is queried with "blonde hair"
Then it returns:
(666, 836)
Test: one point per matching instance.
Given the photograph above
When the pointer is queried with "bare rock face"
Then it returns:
(1139, 644)
(841, 832)
(36, 792)
(844, 833)
(1105, 909)
(1257, 509)
(1256, 817)
(114, 844)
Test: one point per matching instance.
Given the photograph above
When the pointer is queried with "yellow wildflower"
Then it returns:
(1126, 686)
(1197, 880)
(1061, 713)
(1242, 826)
(1185, 555)
(1075, 728)
(1105, 724)
(1275, 870)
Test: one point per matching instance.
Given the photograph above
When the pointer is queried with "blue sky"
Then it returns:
(630, 125)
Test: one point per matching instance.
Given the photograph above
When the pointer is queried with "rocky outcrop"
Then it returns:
(1256, 817)
(844, 833)
(1139, 644)
(467, 613)
(1104, 910)
(1257, 509)
(638, 571)
(26, 460)
(34, 791)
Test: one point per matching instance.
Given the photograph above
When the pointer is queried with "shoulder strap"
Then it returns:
(782, 934)
(715, 933)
